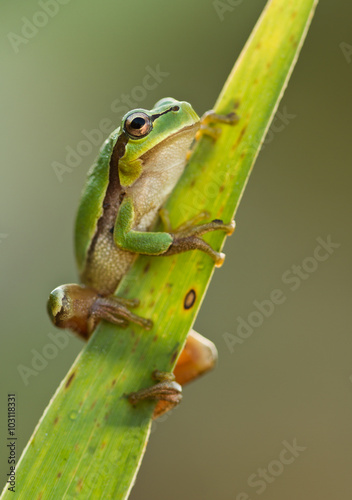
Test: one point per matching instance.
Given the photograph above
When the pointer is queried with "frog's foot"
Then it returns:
(165, 219)
(80, 308)
(188, 239)
(211, 118)
(116, 310)
(167, 392)
(206, 127)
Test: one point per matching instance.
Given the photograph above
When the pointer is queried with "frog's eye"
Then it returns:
(138, 125)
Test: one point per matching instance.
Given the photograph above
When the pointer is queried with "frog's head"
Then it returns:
(157, 137)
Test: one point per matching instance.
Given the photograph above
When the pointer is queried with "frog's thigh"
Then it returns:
(147, 243)
(198, 356)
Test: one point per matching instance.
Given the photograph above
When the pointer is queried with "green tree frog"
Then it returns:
(137, 168)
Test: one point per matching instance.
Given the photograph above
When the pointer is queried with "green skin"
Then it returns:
(137, 168)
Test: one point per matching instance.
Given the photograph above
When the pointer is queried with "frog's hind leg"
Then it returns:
(80, 308)
(198, 356)
(116, 310)
(166, 391)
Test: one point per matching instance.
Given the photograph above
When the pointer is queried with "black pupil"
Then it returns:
(137, 123)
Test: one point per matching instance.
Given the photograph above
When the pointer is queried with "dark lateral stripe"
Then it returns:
(113, 193)
(119, 150)
(154, 117)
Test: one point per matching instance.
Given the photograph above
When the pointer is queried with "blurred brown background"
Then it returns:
(290, 380)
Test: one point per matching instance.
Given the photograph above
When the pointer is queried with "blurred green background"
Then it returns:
(289, 380)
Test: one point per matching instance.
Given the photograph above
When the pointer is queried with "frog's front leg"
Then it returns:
(80, 308)
(164, 243)
(188, 239)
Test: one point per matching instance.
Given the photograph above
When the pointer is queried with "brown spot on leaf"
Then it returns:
(189, 299)
(80, 484)
(70, 378)
(236, 104)
(93, 404)
(293, 40)
(241, 134)
(40, 496)
(146, 268)
(59, 474)
(174, 356)
(103, 444)
(135, 345)
(113, 382)
(155, 338)
(56, 420)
